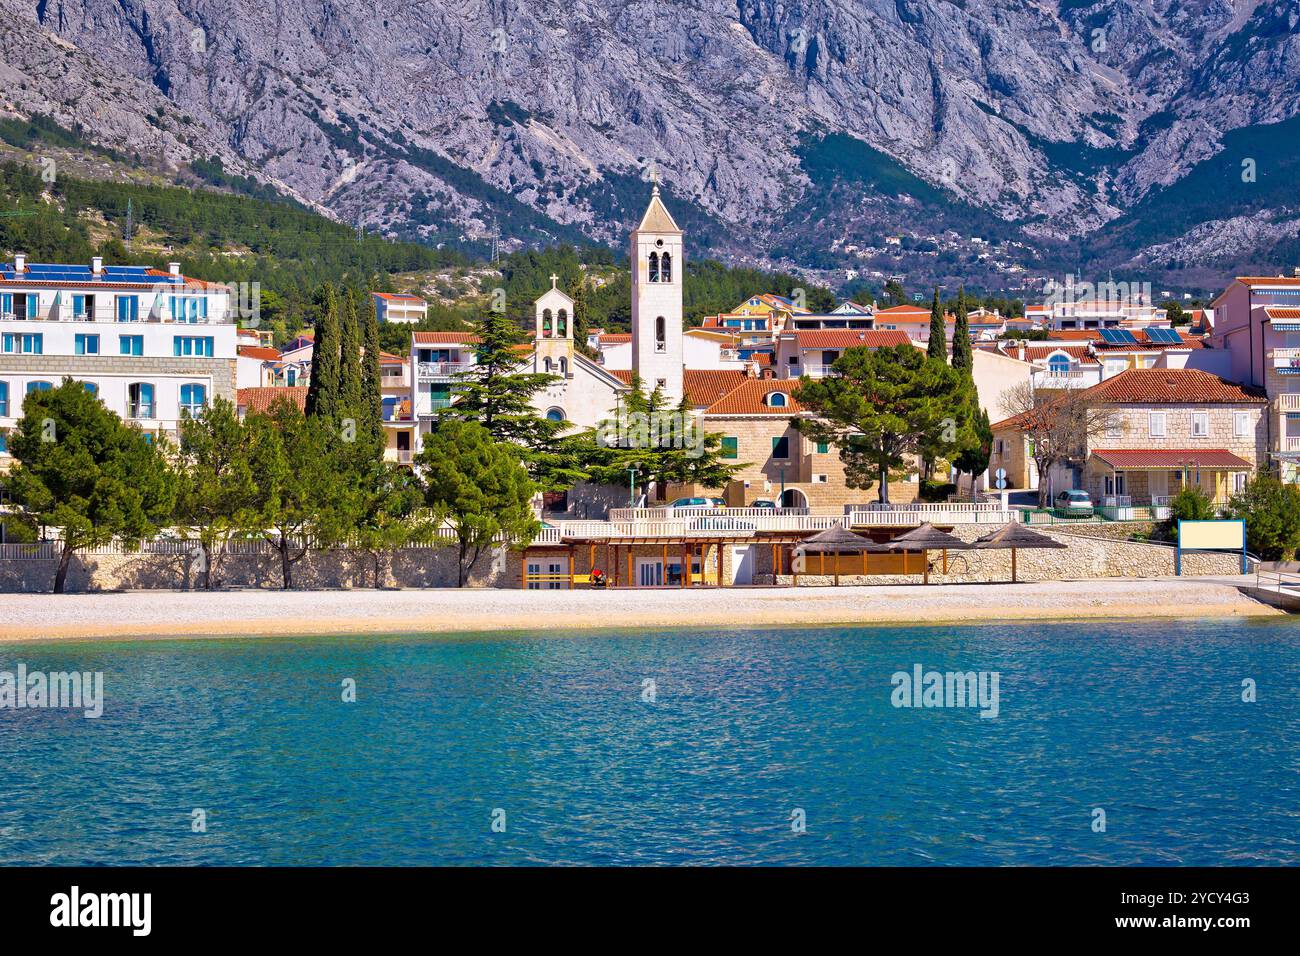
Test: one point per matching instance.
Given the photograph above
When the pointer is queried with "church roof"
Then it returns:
(657, 217)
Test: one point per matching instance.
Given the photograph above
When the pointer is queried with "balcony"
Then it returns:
(433, 371)
(1288, 443)
(1286, 361)
(1288, 402)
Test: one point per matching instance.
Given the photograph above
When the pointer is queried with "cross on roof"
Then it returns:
(554, 279)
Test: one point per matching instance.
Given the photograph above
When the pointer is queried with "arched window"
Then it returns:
(562, 323)
(193, 398)
(564, 365)
(38, 387)
(555, 414)
(546, 322)
(654, 267)
(4, 399)
(666, 268)
(546, 364)
(139, 400)
(777, 399)
(661, 335)
(1059, 364)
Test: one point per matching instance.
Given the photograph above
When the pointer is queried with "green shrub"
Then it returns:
(1271, 511)
(932, 490)
(1192, 504)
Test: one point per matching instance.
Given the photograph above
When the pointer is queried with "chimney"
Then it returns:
(1020, 353)
(97, 265)
(174, 268)
(20, 262)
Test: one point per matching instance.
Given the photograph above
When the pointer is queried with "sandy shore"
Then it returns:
(164, 614)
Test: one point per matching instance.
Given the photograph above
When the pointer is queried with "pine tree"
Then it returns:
(577, 291)
(497, 396)
(323, 391)
(975, 459)
(371, 413)
(350, 360)
(937, 347)
(962, 355)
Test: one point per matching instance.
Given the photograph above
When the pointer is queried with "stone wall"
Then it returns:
(1086, 556)
(100, 571)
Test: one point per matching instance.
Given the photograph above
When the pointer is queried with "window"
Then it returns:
(794, 359)
(823, 447)
(781, 447)
(777, 400)
(91, 388)
(199, 345)
(1114, 427)
(291, 376)
(193, 399)
(189, 308)
(82, 306)
(38, 387)
(4, 443)
(1000, 445)
(730, 448)
(26, 343)
(555, 414)
(1239, 482)
(1059, 365)
(564, 365)
(562, 323)
(654, 267)
(6, 305)
(130, 344)
(86, 344)
(1241, 424)
(4, 399)
(661, 335)
(128, 308)
(1156, 424)
(139, 396)
(666, 268)
(1200, 424)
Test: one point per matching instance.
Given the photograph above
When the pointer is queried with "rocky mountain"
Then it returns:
(797, 131)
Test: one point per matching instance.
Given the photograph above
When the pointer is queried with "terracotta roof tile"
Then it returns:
(256, 401)
(259, 352)
(1170, 458)
(445, 338)
(849, 338)
(1173, 386)
(750, 397)
(704, 386)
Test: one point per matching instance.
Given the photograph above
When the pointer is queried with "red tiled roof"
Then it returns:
(445, 338)
(259, 352)
(1281, 312)
(255, 401)
(1268, 280)
(902, 309)
(704, 386)
(750, 398)
(399, 297)
(850, 338)
(1170, 458)
(615, 338)
(1074, 335)
(624, 375)
(1173, 386)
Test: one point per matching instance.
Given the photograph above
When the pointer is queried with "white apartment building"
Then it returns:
(152, 344)
(405, 309)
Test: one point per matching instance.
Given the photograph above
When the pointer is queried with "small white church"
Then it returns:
(585, 392)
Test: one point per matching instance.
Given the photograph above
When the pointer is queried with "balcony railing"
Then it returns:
(1286, 358)
(1289, 443)
(433, 370)
(1288, 402)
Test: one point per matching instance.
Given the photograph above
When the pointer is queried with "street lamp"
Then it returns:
(780, 502)
(631, 488)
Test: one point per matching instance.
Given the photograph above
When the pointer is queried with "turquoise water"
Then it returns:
(1144, 721)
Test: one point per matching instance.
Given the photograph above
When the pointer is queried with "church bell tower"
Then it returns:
(657, 269)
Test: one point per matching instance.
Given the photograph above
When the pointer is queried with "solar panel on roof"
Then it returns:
(1164, 336)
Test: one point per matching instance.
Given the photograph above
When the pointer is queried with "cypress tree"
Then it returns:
(371, 399)
(938, 344)
(350, 360)
(323, 391)
(962, 354)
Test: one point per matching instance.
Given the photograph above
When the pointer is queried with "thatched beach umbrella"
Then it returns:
(925, 539)
(836, 540)
(1014, 535)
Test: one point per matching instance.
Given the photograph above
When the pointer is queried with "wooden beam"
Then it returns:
(523, 567)
(1013, 565)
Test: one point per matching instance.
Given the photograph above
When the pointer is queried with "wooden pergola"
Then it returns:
(1014, 535)
(925, 539)
(838, 542)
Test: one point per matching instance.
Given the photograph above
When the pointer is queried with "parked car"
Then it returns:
(1074, 504)
(681, 504)
(767, 503)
